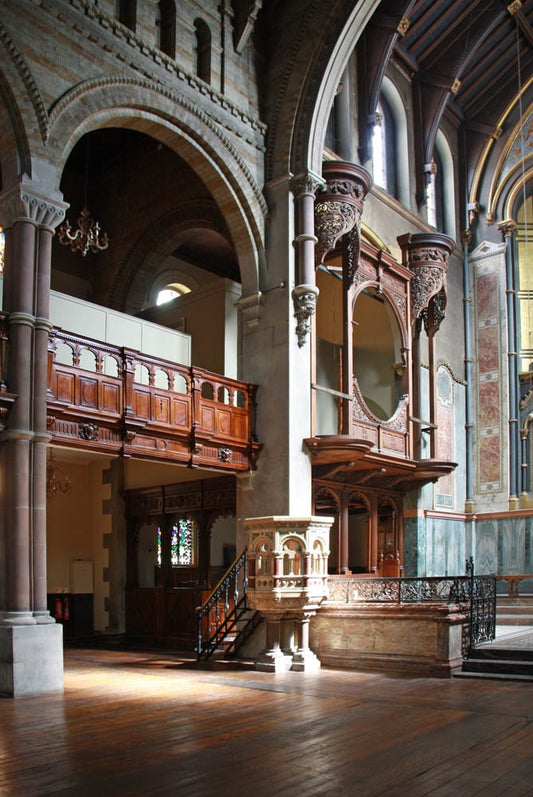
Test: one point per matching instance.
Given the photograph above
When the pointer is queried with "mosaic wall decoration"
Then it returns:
(489, 377)
(444, 489)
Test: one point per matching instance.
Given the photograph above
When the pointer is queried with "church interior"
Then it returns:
(266, 338)
(266, 395)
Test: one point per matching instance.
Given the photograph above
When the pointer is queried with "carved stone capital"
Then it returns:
(339, 205)
(24, 202)
(426, 255)
(304, 299)
(508, 227)
(306, 184)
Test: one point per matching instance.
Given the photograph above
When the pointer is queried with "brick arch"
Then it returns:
(319, 49)
(138, 269)
(188, 131)
(18, 114)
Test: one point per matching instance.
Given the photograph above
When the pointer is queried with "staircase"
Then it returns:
(225, 620)
(510, 655)
(503, 659)
(514, 610)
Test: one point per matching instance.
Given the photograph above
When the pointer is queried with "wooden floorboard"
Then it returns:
(133, 723)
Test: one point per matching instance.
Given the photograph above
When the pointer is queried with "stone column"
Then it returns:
(27, 632)
(305, 293)
(508, 229)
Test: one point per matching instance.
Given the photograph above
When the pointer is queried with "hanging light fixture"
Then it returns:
(57, 482)
(88, 237)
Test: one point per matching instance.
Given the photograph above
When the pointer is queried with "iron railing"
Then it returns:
(225, 619)
(475, 595)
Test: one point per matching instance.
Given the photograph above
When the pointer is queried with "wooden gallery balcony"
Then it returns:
(118, 401)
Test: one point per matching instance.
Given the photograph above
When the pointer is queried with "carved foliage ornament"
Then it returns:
(338, 209)
(304, 301)
(426, 255)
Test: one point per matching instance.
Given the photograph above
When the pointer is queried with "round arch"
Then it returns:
(190, 134)
(138, 269)
(310, 142)
(324, 43)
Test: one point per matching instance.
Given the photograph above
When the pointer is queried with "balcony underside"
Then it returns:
(353, 461)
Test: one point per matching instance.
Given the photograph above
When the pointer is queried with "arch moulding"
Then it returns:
(188, 131)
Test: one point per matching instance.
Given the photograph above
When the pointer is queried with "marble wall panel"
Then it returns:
(488, 266)
(445, 487)
(486, 547)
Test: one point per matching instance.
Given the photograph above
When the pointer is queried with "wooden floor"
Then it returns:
(133, 723)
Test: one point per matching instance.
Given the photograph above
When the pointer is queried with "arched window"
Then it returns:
(127, 13)
(440, 188)
(171, 291)
(380, 138)
(390, 155)
(203, 50)
(166, 25)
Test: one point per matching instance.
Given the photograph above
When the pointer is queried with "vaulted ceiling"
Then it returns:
(467, 59)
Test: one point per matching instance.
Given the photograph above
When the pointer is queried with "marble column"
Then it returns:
(28, 635)
(508, 229)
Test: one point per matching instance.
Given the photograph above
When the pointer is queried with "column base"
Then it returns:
(273, 661)
(305, 661)
(18, 618)
(31, 659)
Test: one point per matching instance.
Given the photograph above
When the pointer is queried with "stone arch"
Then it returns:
(18, 114)
(136, 272)
(190, 133)
(323, 44)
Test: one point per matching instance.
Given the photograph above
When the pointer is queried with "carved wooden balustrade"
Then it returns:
(114, 399)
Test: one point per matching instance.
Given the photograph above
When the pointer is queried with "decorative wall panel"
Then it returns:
(490, 372)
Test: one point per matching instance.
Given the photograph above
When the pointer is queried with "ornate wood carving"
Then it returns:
(184, 414)
(426, 255)
(338, 210)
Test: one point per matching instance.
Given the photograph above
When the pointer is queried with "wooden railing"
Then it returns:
(513, 580)
(116, 399)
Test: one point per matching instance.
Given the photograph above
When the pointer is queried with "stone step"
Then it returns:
(494, 676)
(499, 667)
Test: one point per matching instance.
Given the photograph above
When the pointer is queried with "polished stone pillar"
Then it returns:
(305, 293)
(31, 659)
(508, 229)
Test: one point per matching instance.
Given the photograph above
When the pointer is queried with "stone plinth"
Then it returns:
(287, 582)
(31, 659)
(420, 638)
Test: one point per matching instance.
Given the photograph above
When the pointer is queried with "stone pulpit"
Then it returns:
(287, 581)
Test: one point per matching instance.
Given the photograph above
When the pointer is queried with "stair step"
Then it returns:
(499, 666)
(501, 653)
(495, 676)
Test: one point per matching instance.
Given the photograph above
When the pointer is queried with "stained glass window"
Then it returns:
(182, 543)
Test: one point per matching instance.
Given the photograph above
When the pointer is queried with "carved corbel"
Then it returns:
(304, 299)
(426, 255)
(338, 211)
(251, 308)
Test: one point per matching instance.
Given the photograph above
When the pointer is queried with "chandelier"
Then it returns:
(88, 237)
(57, 482)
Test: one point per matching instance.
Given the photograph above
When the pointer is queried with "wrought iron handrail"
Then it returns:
(476, 596)
(220, 614)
